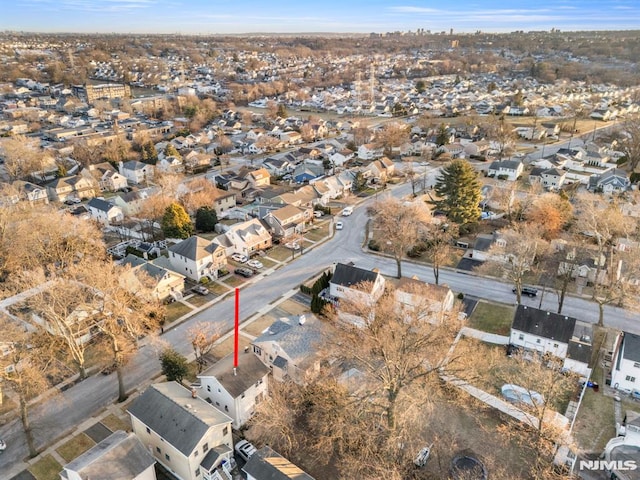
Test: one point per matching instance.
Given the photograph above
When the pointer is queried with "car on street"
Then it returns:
(255, 264)
(317, 213)
(238, 257)
(72, 201)
(339, 225)
(245, 449)
(3, 446)
(201, 289)
(245, 272)
(346, 211)
(528, 291)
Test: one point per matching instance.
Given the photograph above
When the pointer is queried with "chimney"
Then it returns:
(193, 393)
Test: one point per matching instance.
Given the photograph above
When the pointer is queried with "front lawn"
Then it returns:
(492, 318)
(114, 423)
(75, 447)
(279, 254)
(176, 310)
(234, 280)
(46, 469)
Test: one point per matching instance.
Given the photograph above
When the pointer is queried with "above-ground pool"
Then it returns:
(516, 394)
(465, 466)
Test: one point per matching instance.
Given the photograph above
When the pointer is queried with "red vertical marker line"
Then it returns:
(237, 331)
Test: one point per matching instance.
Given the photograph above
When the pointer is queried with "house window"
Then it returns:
(217, 404)
(242, 396)
(538, 341)
(148, 430)
(173, 254)
(205, 447)
(158, 450)
(630, 379)
(257, 350)
(636, 365)
(167, 457)
(225, 430)
(521, 337)
(226, 409)
(555, 345)
(197, 472)
(208, 388)
(195, 453)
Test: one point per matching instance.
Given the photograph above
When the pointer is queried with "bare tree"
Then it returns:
(439, 245)
(202, 337)
(22, 156)
(630, 142)
(400, 224)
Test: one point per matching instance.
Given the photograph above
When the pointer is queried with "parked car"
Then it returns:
(238, 257)
(245, 449)
(3, 446)
(292, 245)
(317, 213)
(339, 225)
(72, 201)
(346, 211)
(245, 272)
(201, 289)
(255, 264)
(528, 291)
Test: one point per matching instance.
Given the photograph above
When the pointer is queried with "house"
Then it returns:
(31, 192)
(197, 258)
(258, 178)
(289, 347)
(506, 169)
(306, 172)
(476, 149)
(277, 166)
(551, 333)
(369, 151)
(453, 149)
(585, 265)
(136, 172)
(266, 464)
(381, 169)
(482, 246)
(109, 180)
(130, 202)
(625, 446)
(432, 300)
(552, 178)
(119, 456)
(355, 283)
(74, 186)
(170, 165)
(245, 238)
(610, 182)
(104, 212)
(288, 220)
(223, 201)
(186, 435)
(625, 362)
(236, 391)
(163, 283)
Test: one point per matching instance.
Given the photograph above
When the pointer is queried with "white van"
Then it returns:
(346, 211)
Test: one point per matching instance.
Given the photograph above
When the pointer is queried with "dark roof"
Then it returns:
(181, 420)
(100, 204)
(194, 248)
(250, 370)
(580, 352)
(509, 164)
(152, 270)
(280, 362)
(348, 276)
(266, 464)
(631, 347)
(544, 324)
(211, 459)
(120, 455)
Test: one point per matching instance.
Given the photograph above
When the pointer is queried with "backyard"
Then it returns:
(492, 317)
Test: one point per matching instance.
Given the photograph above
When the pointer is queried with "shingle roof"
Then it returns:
(120, 455)
(100, 204)
(349, 276)
(163, 408)
(631, 347)
(579, 351)
(544, 324)
(194, 248)
(250, 370)
(298, 341)
(267, 464)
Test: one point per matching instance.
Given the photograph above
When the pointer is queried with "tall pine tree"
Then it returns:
(460, 192)
(176, 222)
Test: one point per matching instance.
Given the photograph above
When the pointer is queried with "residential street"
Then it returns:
(53, 418)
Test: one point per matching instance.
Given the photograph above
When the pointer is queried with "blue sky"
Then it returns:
(286, 16)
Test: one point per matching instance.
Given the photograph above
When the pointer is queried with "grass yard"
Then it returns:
(492, 318)
(319, 233)
(279, 254)
(268, 263)
(218, 288)
(234, 281)
(199, 300)
(226, 347)
(175, 310)
(258, 326)
(46, 469)
(595, 424)
(75, 447)
(114, 423)
(293, 307)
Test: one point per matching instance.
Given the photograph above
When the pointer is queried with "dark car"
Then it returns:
(528, 291)
(245, 272)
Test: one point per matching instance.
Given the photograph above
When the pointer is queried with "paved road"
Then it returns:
(53, 418)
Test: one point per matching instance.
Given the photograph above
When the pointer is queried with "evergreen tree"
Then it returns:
(206, 219)
(149, 153)
(460, 192)
(170, 151)
(420, 86)
(176, 222)
(174, 365)
(443, 135)
(282, 111)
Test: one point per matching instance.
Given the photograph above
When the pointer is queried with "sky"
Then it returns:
(302, 16)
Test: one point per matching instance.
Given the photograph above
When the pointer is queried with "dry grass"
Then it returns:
(226, 347)
(199, 300)
(75, 447)
(293, 307)
(258, 326)
(114, 423)
(234, 280)
(279, 254)
(176, 310)
(46, 468)
(218, 288)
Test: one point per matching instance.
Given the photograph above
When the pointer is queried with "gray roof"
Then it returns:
(100, 204)
(152, 270)
(267, 464)
(210, 460)
(544, 324)
(119, 456)
(250, 370)
(297, 341)
(579, 352)
(194, 248)
(509, 164)
(181, 420)
(631, 347)
(350, 276)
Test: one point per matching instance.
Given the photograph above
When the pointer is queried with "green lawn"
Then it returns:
(114, 423)
(46, 469)
(175, 310)
(492, 318)
(75, 447)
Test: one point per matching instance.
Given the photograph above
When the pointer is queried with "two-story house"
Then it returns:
(625, 362)
(31, 192)
(160, 283)
(121, 455)
(235, 391)
(369, 151)
(258, 178)
(104, 212)
(506, 169)
(288, 220)
(186, 435)
(66, 188)
(196, 258)
(245, 238)
(353, 283)
(136, 172)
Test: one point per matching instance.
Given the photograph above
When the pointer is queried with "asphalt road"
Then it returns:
(54, 417)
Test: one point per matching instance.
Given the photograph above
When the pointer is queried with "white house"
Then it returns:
(552, 178)
(369, 151)
(430, 300)
(625, 364)
(136, 172)
(188, 436)
(506, 169)
(197, 257)
(245, 238)
(162, 282)
(120, 455)
(349, 281)
(235, 391)
(266, 464)
(104, 212)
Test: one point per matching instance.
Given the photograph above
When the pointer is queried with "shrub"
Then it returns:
(460, 296)
(373, 245)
